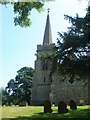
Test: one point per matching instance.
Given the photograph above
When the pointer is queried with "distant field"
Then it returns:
(36, 112)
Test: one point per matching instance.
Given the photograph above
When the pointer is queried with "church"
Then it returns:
(59, 87)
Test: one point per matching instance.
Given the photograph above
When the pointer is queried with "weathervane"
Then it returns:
(48, 10)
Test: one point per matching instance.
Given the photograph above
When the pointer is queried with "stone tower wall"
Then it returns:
(41, 83)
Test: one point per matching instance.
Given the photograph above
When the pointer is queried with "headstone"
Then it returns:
(17, 105)
(23, 103)
(72, 104)
(26, 104)
(47, 107)
(62, 107)
(7, 104)
(82, 102)
(11, 104)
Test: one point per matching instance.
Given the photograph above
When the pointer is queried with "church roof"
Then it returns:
(47, 40)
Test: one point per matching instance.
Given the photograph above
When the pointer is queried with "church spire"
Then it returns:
(47, 40)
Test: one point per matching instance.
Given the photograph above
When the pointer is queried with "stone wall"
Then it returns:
(40, 94)
(64, 90)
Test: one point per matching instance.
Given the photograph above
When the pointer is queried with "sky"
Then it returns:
(18, 45)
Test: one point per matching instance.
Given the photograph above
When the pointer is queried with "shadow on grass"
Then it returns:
(72, 114)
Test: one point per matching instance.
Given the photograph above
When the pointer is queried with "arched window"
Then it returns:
(44, 79)
(45, 65)
(51, 80)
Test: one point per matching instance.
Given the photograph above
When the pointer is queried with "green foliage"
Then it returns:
(18, 90)
(73, 47)
(22, 10)
(5, 97)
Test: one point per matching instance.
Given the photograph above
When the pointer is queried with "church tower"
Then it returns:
(60, 87)
(41, 83)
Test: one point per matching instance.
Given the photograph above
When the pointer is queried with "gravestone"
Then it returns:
(11, 104)
(23, 103)
(7, 104)
(82, 102)
(62, 107)
(47, 107)
(72, 104)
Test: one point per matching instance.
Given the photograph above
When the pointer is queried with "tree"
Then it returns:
(5, 96)
(72, 56)
(22, 10)
(20, 89)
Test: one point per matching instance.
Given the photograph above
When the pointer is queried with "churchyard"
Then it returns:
(37, 113)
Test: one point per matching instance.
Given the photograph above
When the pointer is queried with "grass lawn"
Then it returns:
(36, 113)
